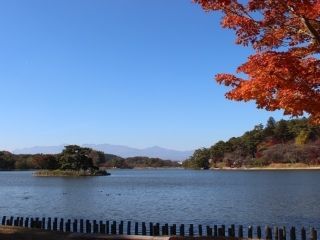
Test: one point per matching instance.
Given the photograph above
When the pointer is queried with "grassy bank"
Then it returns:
(274, 166)
(69, 173)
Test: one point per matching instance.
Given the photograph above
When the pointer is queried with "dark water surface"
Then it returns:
(169, 196)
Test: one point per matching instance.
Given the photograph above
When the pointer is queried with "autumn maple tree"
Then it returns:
(284, 71)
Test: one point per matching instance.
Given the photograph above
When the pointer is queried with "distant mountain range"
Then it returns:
(119, 150)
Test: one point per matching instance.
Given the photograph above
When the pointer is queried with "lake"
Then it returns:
(169, 196)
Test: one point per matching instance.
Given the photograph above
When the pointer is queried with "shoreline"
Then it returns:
(273, 167)
(52, 173)
(264, 169)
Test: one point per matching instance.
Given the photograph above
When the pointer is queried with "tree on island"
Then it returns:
(77, 158)
(284, 71)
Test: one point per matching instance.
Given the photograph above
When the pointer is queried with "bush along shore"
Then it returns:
(70, 173)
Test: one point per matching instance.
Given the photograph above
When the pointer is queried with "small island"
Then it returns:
(69, 173)
(74, 161)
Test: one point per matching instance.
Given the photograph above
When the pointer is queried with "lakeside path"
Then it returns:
(10, 233)
(20, 233)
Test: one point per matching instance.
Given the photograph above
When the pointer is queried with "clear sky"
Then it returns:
(137, 73)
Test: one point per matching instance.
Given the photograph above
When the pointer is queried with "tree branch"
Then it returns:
(312, 30)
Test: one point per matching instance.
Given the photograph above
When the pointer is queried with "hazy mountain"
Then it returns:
(40, 149)
(122, 151)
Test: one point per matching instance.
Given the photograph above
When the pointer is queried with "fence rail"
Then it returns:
(156, 229)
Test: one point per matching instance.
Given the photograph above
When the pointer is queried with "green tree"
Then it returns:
(199, 159)
(282, 132)
(218, 150)
(234, 143)
(6, 160)
(271, 125)
(252, 139)
(74, 157)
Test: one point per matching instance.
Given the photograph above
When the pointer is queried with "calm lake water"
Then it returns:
(169, 196)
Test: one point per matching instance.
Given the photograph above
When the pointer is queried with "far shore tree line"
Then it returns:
(293, 141)
(74, 157)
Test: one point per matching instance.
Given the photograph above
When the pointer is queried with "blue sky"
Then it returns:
(137, 73)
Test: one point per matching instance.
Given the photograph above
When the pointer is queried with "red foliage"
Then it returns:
(284, 72)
